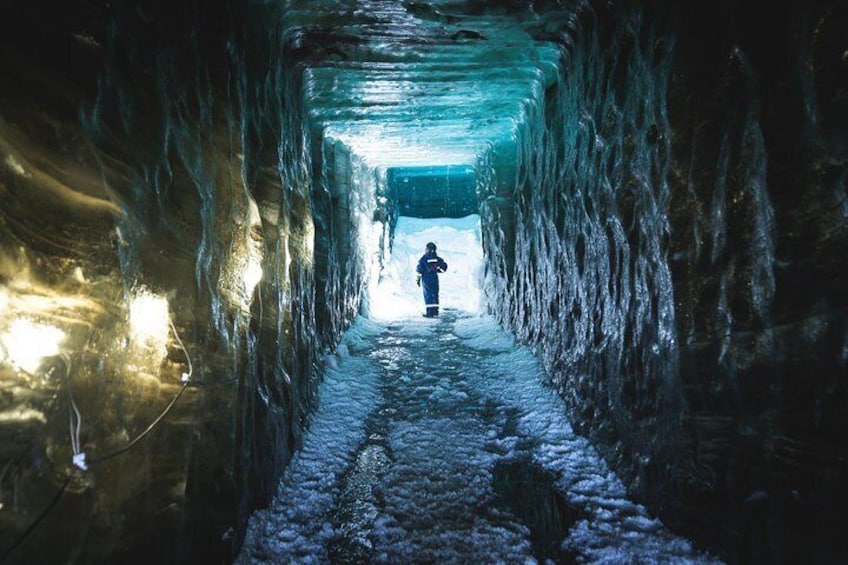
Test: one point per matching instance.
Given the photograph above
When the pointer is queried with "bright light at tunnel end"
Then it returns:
(396, 295)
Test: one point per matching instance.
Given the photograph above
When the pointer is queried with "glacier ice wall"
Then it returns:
(586, 260)
(647, 242)
(167, 212)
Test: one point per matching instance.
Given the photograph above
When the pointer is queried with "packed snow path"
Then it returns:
(436, 441)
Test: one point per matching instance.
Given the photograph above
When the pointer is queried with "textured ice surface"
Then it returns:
(310, 486)
(419, 94)
(415, 415)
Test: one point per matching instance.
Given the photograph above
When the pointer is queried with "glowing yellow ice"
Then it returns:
(149, 321)
(26, 344)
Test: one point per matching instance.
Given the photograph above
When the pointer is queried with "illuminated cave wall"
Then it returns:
(672, 241)
(155, 167)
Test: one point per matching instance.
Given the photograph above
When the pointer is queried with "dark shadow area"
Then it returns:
(528, 491)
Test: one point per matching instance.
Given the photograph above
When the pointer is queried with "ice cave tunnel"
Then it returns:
(211, 341)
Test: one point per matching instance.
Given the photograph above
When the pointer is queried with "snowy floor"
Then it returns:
(436, 441)
(406, 454)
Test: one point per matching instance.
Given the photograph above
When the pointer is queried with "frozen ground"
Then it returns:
(422, 426)
(436, 441)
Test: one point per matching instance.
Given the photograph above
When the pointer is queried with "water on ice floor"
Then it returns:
(436, 441)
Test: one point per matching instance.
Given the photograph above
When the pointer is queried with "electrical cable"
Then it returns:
(75, 419)
(141, 436)
(186, 380)
(185, 377)
(23, 536)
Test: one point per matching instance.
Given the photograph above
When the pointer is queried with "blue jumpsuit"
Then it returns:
(429, 267)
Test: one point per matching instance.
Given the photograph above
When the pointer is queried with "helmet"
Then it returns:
(431, 247)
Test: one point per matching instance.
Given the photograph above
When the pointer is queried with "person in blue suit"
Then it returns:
(429, 267)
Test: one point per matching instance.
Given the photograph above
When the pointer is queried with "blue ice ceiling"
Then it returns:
(406, 85)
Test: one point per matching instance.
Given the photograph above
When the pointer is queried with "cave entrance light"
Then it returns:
(396, 296)
(435, 203)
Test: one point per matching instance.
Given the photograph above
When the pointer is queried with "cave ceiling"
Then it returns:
(417, 84)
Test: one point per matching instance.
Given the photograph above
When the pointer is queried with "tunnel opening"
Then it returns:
(395, 293)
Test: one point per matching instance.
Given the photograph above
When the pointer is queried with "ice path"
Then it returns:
(421, 449)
